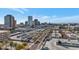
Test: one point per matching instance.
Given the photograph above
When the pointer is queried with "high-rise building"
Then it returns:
(26, 23)
(30, 19)
(36, 22)
(14, 23)
(9, 21)
(21, 24)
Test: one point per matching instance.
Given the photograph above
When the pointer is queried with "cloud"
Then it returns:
(55, 19)
(45, 18)
(24, 9)
(20, 10)
(67, 19)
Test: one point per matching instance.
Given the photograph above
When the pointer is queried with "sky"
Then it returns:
(52, 15)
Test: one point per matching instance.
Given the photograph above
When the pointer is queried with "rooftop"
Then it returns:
(3, 31)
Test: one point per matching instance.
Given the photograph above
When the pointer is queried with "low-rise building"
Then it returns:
(4, 34)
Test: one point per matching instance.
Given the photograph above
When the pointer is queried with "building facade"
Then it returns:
(4, 34)
(36, 22)
(26, 23)
(30, 20)
(9, 21)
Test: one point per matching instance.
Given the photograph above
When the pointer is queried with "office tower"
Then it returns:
(36, 22)
(30, 18)
(14, 23)
(26, 23)
(9, 21)
(21, 24)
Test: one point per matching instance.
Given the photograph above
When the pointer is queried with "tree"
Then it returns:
(1, 46)
(19, 46)
(13, 30)
(24, 43)
(11, 44)
(6, 41)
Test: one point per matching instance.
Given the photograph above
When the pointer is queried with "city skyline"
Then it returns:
(52, 15)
